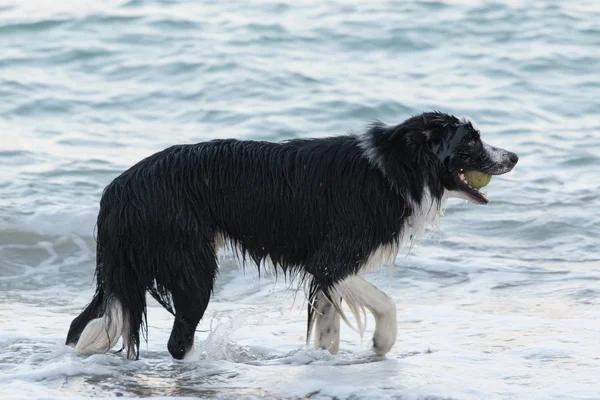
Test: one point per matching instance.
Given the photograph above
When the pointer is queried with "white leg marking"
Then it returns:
(327, 326)
(101, 334)
(360, 294)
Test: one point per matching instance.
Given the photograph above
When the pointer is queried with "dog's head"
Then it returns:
(434, 149)
(458, 146)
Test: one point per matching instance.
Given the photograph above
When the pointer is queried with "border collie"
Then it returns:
(323, 209)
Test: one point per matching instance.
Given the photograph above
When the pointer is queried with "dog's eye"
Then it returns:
(472, 142)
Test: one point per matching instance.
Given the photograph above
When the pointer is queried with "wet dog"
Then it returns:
(324, 209)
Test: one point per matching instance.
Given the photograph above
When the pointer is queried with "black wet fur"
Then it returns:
(314, 207)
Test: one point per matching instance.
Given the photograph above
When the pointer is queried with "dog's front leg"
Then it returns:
(362, 293)
(327, 326)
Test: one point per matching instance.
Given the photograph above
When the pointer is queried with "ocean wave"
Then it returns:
(53, 221)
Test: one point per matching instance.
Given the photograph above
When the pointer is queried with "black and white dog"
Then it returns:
(322, 208)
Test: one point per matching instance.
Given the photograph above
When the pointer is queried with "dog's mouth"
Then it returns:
(464, 187)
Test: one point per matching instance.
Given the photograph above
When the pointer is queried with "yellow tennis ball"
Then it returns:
(476, 179)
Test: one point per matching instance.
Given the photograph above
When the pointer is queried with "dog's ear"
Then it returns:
(435, 135)
(424, 131)
(408, 135)
(436, 126)
(434, 143)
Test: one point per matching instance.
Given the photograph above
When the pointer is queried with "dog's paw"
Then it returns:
(386, 330)
(383, 343)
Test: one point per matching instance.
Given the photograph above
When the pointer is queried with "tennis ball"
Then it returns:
(476, 179)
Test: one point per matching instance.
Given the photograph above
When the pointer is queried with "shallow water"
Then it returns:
(502, 302)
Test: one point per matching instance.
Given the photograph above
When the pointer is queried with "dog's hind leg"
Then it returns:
(327, 324)
(191, 288)
(117, 309)
(92, 311)
(359, 294)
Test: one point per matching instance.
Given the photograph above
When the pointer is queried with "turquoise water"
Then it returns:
(502, 302)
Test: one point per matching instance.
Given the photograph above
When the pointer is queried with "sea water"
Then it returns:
(503, 301)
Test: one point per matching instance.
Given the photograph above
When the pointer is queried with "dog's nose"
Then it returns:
(513, 157)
